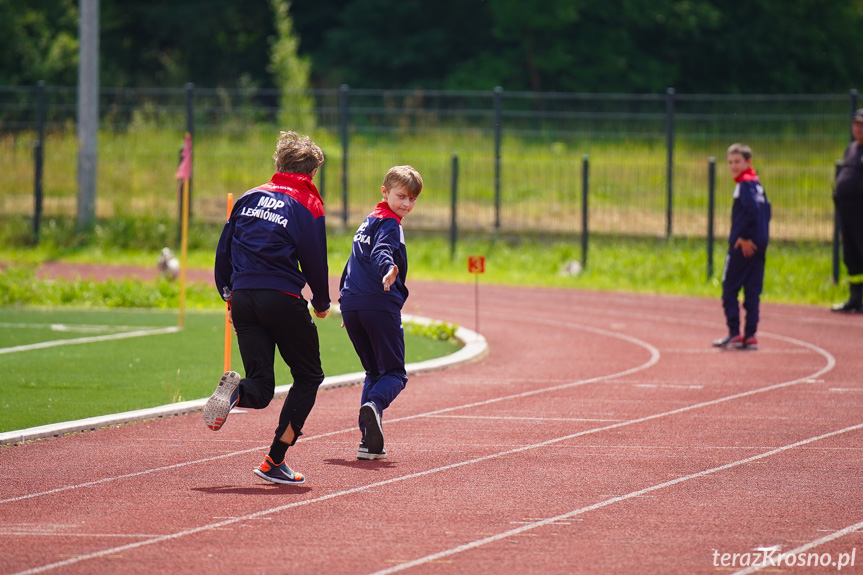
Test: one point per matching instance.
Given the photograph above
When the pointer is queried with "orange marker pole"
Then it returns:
(228, 343)
(184, 247)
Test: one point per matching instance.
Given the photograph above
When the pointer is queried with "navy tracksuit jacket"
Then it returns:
(372, 316)
(750, 220)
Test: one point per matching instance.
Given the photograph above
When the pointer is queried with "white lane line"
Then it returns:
(831, 362)
(654, 357)
(465, 547)
(92, 339)
(460, 548)
(81, 327)
(804, 548)
(81, 535)
(519, 418)
(571, 514)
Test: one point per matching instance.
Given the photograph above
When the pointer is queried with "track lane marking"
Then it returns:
(654, 358)
(466, 546)
(641, 492)
(805, 547)
(91, 339)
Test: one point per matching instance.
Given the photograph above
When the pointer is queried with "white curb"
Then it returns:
(474, 348)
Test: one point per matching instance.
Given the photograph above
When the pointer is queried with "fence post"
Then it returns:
(343, 132)
(669, 162)
(190, 127)
(38, 159)
(711, 209)
(498, 128)
(453, 225)
(585, 167)
(837, 230)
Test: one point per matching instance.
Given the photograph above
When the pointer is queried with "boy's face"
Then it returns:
(399, 201)
(857, 131)
(738, 164)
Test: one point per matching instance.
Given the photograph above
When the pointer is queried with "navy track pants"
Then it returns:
(747, 274)
(379, 340)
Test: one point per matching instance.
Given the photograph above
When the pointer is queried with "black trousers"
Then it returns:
(266, 320)
(850, 213)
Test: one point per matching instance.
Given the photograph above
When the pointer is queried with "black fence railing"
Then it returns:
(520, 155)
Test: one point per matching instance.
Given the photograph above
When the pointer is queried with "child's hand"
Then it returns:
(748, 247)
(390, 278)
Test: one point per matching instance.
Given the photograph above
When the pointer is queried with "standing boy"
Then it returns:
(273, 244)
(372, 293)
(747, 244)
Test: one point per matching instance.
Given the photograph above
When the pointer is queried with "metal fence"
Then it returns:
(521, 156)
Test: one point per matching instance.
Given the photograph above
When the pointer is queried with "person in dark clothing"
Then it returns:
(747, 245)
(273, 244)
(371, 293)
(848, 199)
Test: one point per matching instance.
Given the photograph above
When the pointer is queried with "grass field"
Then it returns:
(67, 380)
(797, 272)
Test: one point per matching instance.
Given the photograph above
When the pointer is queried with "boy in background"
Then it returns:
(273, 244)
(747, 244)
(372, 293)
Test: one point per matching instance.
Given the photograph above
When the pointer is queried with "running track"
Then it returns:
(601, 434)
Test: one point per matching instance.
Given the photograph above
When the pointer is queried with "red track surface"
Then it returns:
(602, 434)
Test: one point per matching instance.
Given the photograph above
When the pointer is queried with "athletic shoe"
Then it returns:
(371, 418)
(729, 341)
(364, 453)
(848, 307)
(280, 473)
(750, 343)
(223, 400)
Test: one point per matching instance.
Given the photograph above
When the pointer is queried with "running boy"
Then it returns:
(273, 244)
(372, 292)
(747, 244)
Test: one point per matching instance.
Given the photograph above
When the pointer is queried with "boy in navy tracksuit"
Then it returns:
(372, 293)
(747, 244)
(273, 245)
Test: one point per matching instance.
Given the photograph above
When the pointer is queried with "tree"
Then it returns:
(38, 41)
(290, 73)
(167, 43)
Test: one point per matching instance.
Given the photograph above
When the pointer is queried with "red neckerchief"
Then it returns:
(747, 175)
(299, 187)
(383, 210)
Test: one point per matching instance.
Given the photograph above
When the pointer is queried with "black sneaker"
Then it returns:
(847, 307)
(730, 341)
(364, 453)
(371, 418)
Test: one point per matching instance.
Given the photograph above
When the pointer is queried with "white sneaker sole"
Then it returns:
(365, 455)
(266, 477)
(219, 405)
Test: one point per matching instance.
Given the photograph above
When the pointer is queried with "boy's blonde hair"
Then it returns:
(741, 149)
(296, 154)
(404, 176)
